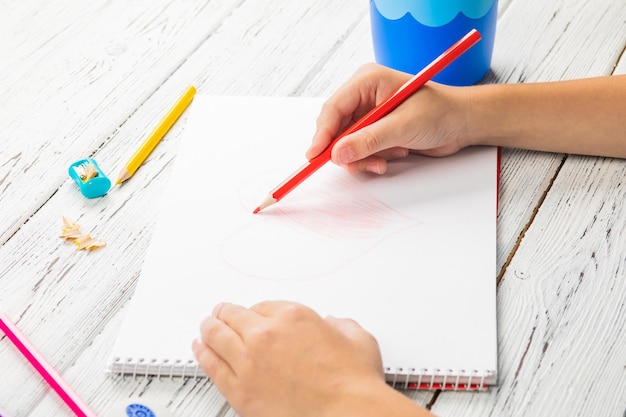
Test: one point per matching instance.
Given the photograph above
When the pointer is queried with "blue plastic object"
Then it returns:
(403, 42)
(133, 408)
(96, 186)
(139, 410)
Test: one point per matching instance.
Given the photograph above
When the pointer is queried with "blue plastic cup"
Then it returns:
(409, 34)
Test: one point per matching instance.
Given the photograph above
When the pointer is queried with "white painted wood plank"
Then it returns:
(558, 40)
(620, 68)
(562, 305)
(502, 6)
(546, 41)
(81, 79)
(31, 29)
(581, 371)
(87, 375)
(212, 77)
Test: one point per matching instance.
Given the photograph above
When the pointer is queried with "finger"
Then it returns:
(352, 329)
(238, 318)
(360, 337)
(321, 140)
(386, 135)
(370, 85)
(396, 152)
(335, 115)
(272, 308)
(373, 164)
(377, 163)
(222, 340)
(348, 104)
(213, 365)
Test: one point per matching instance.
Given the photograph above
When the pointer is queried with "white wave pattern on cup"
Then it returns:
(433, 13)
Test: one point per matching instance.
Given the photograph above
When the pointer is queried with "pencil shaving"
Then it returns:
(87, 243)
(69, 223)
(71, 229)
(72, 232)
(94, 244)
(87, 172)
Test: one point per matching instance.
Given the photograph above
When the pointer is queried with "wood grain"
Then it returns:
(557, 354)
(562, 342)
(93, 78)
(78, 74)
(119, 217)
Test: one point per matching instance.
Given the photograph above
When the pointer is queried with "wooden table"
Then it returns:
(82, 79)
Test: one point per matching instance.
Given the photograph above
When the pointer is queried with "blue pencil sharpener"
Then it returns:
(89, 177)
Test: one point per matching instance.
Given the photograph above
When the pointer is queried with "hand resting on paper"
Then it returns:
(280, 359)
(578, 116)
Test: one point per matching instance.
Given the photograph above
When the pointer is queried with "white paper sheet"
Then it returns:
(410, 255)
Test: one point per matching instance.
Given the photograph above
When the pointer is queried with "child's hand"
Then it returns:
(428, 122)
(282, 359)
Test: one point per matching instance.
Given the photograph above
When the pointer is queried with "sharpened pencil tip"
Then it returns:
(266, 203)
(123, 176)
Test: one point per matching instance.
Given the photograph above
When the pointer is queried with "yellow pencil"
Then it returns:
(157, 134)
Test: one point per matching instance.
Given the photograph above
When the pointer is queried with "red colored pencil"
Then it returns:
(378, 112)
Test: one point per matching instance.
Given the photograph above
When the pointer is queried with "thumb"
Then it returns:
(373, 139)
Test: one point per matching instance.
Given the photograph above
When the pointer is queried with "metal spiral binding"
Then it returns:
(157, 368)
(173, 367)
(135, 368)
(401, 378)
(445, 377)
(431, 385)
(438, 379)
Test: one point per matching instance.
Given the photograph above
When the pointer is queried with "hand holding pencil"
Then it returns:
(424, 124)
(323, 145)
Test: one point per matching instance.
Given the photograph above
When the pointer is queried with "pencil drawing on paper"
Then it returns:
(321, 227)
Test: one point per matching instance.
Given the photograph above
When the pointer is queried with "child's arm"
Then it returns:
(583, 116)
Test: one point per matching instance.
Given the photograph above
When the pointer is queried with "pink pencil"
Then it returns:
(46, 370)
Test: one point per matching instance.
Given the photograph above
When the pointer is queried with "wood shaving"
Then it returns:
(87, 172)
(71, 231)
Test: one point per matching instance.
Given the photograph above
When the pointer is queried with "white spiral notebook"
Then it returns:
(410, 255)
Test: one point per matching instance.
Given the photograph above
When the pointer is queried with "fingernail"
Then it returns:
(399, 153)
(308, 149)
(195, 345)
(351, 168)
(216, 310)
(203, 322)
(374, 167)
(345, 155)
(315, 137)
